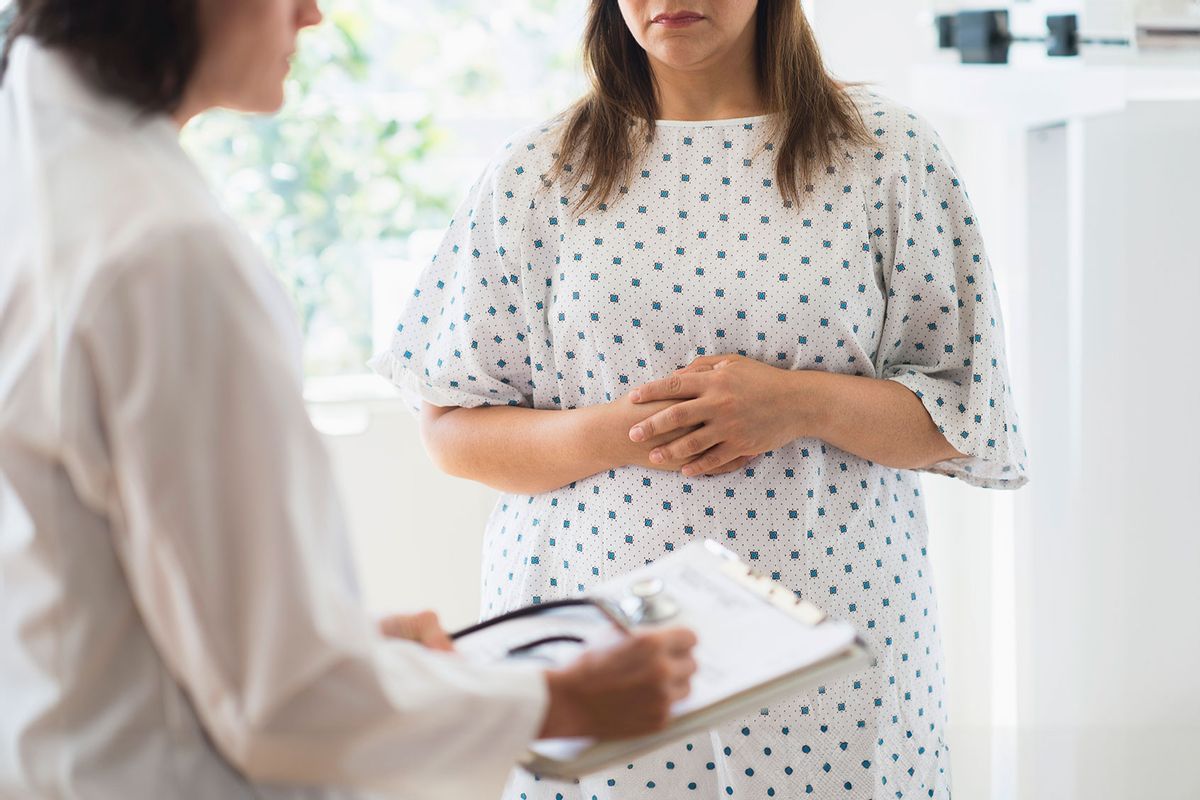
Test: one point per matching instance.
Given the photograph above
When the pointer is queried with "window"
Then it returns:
(393, 110)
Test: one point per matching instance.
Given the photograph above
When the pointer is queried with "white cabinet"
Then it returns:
(1091, 175)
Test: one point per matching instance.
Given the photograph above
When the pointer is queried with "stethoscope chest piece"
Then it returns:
(646, 603)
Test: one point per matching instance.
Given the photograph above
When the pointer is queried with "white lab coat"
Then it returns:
(178, 617)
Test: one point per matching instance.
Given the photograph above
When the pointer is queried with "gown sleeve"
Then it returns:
(943, 335)
(234, 545)
(463, 337)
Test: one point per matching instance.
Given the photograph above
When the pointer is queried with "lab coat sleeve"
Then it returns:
(234, 545)
(943, 334)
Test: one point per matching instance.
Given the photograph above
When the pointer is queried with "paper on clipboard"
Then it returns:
(747, 638)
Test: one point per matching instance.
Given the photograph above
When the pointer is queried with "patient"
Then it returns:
(724, 296)
(179, 617)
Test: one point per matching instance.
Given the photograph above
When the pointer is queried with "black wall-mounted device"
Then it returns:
(985, 37)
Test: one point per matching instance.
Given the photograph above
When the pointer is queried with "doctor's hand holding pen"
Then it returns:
(626, 690)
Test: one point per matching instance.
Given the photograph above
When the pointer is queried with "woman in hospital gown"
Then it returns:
(879, 272)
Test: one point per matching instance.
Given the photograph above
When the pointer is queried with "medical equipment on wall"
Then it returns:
(985, 37)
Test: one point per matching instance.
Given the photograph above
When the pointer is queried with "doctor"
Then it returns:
(177, 611)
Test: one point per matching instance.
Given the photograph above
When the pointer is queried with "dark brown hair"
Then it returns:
(142, 51)
(605, 131)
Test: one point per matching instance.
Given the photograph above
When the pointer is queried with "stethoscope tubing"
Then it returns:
(529, 611)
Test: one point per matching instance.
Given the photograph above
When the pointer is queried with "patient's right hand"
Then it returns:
(622, 414)
(625, 691)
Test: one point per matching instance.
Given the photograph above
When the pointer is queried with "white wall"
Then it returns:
(417, 532)
(1107, 560)
(1090, 226)
(872, 41)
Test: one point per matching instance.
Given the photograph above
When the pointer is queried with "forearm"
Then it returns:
(520, 450)
(879, 420)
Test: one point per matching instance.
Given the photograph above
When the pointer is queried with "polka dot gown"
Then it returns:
(879, 271)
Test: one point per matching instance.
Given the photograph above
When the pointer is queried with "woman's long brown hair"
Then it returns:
(607, 130)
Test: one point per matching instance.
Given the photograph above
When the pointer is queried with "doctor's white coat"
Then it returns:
(178, 617)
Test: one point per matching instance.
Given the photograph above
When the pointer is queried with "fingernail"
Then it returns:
(689, 471)
(635, 396)
(656, 457)
(637, 434)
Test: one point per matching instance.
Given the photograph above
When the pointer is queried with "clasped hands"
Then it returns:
(714, 416)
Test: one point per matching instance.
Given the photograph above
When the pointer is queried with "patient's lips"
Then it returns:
(678, 19)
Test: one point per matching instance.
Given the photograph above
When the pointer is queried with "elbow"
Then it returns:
(441, 456)
(257, 754)
(923, 454)
(438, 444)
(245, 753)
(271, 748)
(454, 449)
(941, 449)
(937, 452)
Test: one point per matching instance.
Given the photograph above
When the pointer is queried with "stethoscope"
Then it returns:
(645, 602)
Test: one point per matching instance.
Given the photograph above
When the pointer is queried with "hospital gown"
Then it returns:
(878, 271)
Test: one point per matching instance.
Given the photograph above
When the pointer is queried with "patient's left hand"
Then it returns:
(423, 628)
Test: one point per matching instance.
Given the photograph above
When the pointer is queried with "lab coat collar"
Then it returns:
(50, 79)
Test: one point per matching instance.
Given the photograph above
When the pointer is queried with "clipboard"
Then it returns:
(758, 643)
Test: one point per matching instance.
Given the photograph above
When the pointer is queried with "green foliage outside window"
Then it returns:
(315, 181)
(343, 175)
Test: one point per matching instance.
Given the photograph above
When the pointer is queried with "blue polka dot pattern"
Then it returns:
(879, 271)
